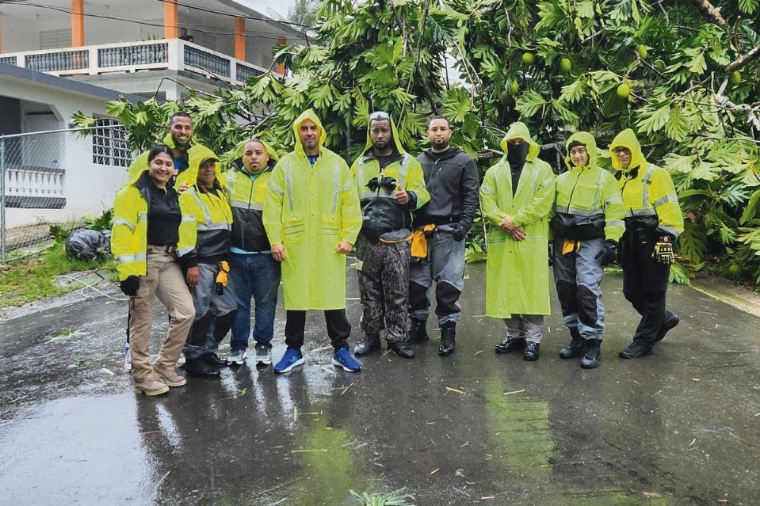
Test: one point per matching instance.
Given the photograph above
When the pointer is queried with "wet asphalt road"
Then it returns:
(679, 427)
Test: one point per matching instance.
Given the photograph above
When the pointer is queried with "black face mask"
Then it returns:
(517, 153)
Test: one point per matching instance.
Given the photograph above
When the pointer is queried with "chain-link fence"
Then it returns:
(61, 178)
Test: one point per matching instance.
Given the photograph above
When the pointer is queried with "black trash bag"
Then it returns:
(88, 244)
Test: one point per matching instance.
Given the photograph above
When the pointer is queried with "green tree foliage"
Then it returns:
(665, 70)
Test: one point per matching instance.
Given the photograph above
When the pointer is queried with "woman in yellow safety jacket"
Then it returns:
(206, 222)
(145, 237)
(653, 222)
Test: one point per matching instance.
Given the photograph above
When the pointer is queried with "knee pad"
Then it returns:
(566, 292)
(588, 312)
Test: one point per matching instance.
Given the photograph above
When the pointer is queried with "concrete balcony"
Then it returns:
(166, 54)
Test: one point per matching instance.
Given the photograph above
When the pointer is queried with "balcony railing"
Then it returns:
(34, 187)
(169, 54)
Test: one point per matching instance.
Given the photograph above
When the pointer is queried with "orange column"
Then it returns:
(77, 23)
(280, 66)
(171, 19)
(240, 39)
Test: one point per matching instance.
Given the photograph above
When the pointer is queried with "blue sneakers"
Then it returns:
(343, 358)
(292, 358)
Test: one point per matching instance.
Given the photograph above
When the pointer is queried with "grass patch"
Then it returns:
(33, 278)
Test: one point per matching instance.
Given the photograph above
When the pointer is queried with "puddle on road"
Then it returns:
(520, 432)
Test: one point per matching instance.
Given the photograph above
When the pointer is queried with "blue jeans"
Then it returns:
(256, 276)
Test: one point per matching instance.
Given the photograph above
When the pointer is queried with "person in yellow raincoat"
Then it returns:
(186, 155)
(517, 195)
(653, 222)
(587, 224)
(390, 184)
(312, 218)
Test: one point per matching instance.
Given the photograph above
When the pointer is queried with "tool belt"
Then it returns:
(419, 241)
(578, 228)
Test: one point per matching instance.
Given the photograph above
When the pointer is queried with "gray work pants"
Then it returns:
(528, 327)
(444, 264)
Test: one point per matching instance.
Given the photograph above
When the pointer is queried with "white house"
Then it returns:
(53, 176)
(135, 46)
(58, 57)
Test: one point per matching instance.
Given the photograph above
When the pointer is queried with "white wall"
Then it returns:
(89, 188)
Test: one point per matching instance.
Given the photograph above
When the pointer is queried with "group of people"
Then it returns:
(206, 243)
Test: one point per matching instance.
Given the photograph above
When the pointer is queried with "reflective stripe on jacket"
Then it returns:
(206, 224)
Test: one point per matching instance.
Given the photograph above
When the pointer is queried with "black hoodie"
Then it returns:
(451, 178)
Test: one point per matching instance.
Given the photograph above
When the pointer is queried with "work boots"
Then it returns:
(417, 331)
(368, 343)
(666, 327)
(531, 352)
(576, 346)
(593, 354)
(150, 387)
(510, 344)
(400, 348)
(448, 338)
(199, 368)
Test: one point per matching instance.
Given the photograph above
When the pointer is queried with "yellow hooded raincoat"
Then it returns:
(517, 272)
(647, 190)
(590, 190)
(310, 210)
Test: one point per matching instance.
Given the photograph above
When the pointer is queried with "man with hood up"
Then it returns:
(253, 270)
(653, 222)
(587, 224)
(390, 186)
(517, 196)
(186, 154)
(312, 218)
(452, 179)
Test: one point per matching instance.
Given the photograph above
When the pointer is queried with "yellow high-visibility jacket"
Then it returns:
(590, 191)
(129, 236)
(647, 190)
(387, 214)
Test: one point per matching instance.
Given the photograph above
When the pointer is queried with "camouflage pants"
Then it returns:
(384, 287)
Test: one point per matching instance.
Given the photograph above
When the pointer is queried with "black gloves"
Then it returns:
(608, 254)
(130, 286)
(458, 232)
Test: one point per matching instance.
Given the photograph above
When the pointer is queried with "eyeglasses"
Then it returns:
(621, 151)
(379, 115)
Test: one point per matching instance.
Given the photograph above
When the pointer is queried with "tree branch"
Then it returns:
(744, 60)
(711, 9)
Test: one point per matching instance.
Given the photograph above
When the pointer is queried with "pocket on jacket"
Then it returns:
(294, 228)
(583, 197)
(330, 225)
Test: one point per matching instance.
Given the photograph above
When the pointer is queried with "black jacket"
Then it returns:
(454, 184)
(247, 206)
